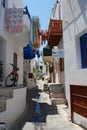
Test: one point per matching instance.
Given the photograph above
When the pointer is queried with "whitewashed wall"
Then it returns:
(14, 106)
(3, 47)
(15, 3)
(28, 68)
(10, 43)
(2, 12)
(10, 48)
(74, 25)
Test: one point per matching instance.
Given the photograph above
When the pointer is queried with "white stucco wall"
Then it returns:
(74, 25)
(10, 42)
(8, 49)
(14, 106)
(20, 65)
(28, 68)
(2, 12)
(15, 3)
(3, 47)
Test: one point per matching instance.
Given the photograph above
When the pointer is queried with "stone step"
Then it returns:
(51, 85)
(46, 84)
(55, 87)
(57, 101)
(57, 95)
(6, 92)
(46, 88)
(54, 84)
(3, 101)
(2, 104)
(58, 90)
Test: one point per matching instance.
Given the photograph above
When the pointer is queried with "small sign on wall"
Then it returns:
(58, 53)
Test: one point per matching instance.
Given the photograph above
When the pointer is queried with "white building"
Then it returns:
(74, 14)
(29, 75)
(55, 41)
(14, 35)
(11, 43)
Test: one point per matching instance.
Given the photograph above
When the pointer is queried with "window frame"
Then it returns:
(83, 48)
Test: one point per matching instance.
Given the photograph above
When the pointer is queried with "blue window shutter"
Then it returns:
(83, 45)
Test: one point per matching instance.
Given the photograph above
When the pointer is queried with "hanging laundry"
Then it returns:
(28, 52)
(37, 42)
(44, 37)
(35, 33)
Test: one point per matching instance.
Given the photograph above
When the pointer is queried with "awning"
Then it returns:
(28, 52)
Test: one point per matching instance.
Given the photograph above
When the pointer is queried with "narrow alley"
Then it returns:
(43, 65)
(44, 116)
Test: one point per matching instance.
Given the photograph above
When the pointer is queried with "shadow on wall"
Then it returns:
(77, 8)
(83, 7)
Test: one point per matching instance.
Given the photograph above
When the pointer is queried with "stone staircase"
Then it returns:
(57, 93)
(5, 94)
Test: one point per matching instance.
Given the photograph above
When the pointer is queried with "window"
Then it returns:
(83, 45)
(15, 59)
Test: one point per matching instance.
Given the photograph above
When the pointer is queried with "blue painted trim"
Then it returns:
(83, 39)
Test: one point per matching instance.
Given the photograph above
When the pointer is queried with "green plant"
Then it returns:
(1, 70)
(36, 70)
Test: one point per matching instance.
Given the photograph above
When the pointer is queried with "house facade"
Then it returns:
(12, 40)
(14, 35)
(74, 15)
(54, 39)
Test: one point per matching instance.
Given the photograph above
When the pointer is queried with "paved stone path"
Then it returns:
(56, 116)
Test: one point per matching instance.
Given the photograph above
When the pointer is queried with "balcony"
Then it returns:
(54, 32)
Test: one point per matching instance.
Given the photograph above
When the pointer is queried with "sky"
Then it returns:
(41, 9)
